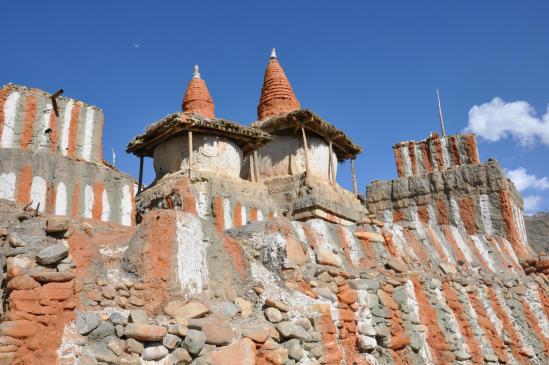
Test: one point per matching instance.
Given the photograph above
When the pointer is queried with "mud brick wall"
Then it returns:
(63, 186)
(435, 154)
(28, 121)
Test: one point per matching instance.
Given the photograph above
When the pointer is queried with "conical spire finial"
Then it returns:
(197, 98)
(277, 96)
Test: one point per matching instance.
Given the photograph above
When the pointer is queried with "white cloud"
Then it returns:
(531, 203)
(524, 181)
(136, 45)
(498, 119)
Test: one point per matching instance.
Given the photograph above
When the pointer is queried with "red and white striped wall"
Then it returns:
(435, 154)
(30, 120)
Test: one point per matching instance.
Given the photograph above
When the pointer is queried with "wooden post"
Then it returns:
(256, 168)
(306, 151)
(353, 172)
(190, 143)
(331, 174)
(140, 181)
(252, 172)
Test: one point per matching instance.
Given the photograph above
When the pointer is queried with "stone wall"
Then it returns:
(63, 186)
(28, 121)
(435, 154)
(478, 199)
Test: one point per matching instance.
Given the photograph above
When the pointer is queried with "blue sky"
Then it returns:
(370, 68)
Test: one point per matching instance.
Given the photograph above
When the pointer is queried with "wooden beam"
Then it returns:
(307, 171)
(190, 143)
(353, 172)
(140, 181)
(331, 174)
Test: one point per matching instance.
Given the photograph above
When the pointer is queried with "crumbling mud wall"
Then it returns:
(30, 119)
(435, 154)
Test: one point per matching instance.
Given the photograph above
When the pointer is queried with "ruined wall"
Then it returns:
(435, 154)
(210, 153)
(28, 121)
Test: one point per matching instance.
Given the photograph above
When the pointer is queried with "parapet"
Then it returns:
(52, 159)
(435, 154)
(31, 119)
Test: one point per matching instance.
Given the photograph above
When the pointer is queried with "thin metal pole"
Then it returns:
(306, 151)
(190, 143)
(140, 182)
(355, 190)
(256, 168)
(440, 115)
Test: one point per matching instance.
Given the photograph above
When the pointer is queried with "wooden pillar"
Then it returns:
(140, 181)
(256, 167)
(190, 143)
(331, 174)
(307, 170)
(252, 172)
(353, 172)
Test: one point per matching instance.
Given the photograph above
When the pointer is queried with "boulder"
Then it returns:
(53, 254)
(181, 310)
(154, 353)
(273, 315)
(370, 236)
(87, 322)
(327, 257)
(239, 353)
(257, 333)
(145, 332)
(194, 341)
(57, 224)
(47, 276)
(218, 331)
(397, 265)
(23, 282)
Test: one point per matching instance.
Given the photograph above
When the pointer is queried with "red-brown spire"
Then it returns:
(197, 98)
(277, 96)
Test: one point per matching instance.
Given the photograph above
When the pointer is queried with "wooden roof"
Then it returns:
(248, 139)
(290, 122)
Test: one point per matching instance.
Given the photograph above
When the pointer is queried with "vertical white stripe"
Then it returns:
(10, 120)
(106, 213)
(202, 205)
(303, 238)
(484, 203)
(65, 128)
(406, 162)
(445, 153)
(461, 244)
(444, 244)
(38, 193)
(456, 214)
(510, 250)
(534, 300)
(388, 217)
(43, 137)
(519, 223)
(126, 208)
(484, 252)
(88, 202)
(432, 215)
(61, 199)
(192, 250)
(419, 160)
(7, 186)
(259, 215)
(354, 250)
(243, 215)
(227, 216)
(88, 134)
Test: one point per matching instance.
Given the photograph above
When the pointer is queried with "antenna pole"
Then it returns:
(440, 115)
